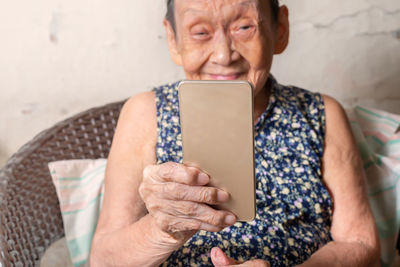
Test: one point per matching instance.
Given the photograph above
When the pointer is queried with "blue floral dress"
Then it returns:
(294, 208)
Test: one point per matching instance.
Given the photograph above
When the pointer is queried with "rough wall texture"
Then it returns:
(349, 50)
(60, 57)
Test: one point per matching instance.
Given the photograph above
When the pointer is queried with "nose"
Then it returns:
(223, 53)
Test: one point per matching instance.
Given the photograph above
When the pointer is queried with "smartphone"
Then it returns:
(217, 125)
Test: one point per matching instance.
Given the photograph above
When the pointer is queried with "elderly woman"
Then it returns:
(312, 208)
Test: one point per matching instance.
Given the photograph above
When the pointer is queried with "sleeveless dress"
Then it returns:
(294, 209)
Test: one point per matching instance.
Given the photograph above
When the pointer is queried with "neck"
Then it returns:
(261, 101)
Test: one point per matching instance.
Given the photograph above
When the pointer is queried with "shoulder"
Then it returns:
(334, 109)
(139, 104)
(139, 108)
(137, 122)
(140, 113)
(340, 145)
(337, 124)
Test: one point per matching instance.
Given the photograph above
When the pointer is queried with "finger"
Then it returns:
(201, 212)
(200, 194)
(172, 224)
(191, 210)
(219, 258)
(254, 263)
(175, 172)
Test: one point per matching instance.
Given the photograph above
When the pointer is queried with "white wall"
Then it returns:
(347, 49)
(60, 57)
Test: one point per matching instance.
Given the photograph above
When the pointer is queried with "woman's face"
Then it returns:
(227, 39)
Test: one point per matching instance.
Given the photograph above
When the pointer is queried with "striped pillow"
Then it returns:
(378, 138)
(80, 188)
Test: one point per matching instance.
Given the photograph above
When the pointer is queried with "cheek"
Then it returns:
(258, 53)
(194, 57)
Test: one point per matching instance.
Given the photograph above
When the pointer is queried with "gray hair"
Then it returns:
(171, 17)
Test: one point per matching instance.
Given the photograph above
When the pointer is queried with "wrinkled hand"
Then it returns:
(177, 197)
(219, 259)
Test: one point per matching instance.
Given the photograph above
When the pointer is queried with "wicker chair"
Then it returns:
(30, 218)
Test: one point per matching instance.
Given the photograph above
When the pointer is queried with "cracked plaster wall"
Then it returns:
(350, 51)
(60, 57)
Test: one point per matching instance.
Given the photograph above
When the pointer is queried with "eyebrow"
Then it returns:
(193, 10)
(244, 3)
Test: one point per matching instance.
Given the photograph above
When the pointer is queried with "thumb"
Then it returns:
(219, 258)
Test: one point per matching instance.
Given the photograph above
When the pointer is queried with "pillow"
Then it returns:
(57, 255)
(378, 139)
(80, 188)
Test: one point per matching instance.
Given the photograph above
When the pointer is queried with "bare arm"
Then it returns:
(123, 214)
(149, 210)
(355, 239)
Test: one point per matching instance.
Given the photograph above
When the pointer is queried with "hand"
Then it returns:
(219, 259)
(177, 197)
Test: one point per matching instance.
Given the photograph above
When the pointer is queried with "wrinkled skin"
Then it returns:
(219, 259)
(150, 210)
(228, 40)
(214, 40)
(176, 196)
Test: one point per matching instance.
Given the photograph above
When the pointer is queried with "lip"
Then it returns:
(227, 77)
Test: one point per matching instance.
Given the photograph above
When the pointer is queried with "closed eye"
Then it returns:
(245, 27)
(243, 30)
(201, 36)
(201, 32)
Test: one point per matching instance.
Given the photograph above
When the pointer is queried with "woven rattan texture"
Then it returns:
(30, 218)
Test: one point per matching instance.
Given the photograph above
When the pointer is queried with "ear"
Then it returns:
(172, 43)
(283, 30)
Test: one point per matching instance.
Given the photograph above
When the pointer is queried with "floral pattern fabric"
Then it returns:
(294, 209)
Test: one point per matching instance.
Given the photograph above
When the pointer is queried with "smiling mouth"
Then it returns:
(231, 76)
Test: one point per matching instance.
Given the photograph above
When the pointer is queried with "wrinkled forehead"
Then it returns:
(220, 8)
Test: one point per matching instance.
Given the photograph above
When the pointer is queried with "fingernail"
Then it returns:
(203, 178)
(222, 196)
(230, 219)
